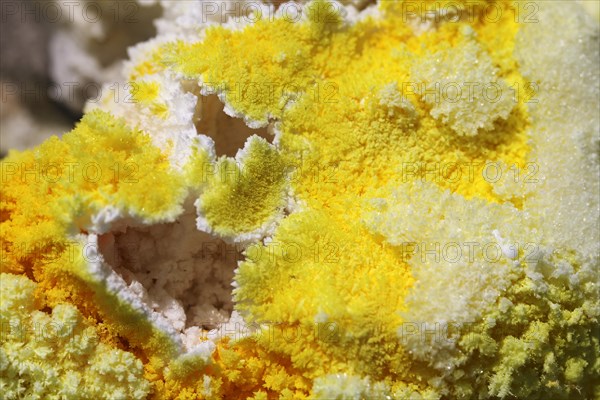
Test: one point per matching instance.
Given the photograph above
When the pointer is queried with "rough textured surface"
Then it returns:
(369, 242)
(59, 355)
(452, 80)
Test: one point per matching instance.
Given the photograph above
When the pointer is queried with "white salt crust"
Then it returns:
(462, 259)
(178, 278)
(173, 273)
(560, 209)
(456, 82)
(100, 271)
(565, 136)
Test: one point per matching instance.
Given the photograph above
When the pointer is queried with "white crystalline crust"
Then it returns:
(114, 283)
(566, 123)
(176, 276)
(352, 387)
(188, 18)
(184, 274)
(344, 386)
(392, 99)
(176, 131)
(560, 208)
(462, 87)
(444, 235)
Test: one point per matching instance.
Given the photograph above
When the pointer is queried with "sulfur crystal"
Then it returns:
(318, 200)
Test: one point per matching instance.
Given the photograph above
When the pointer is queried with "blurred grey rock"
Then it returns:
(54, 55)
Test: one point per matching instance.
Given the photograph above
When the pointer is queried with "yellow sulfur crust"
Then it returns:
(370, 156)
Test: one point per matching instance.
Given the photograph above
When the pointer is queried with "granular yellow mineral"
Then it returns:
(318, 200)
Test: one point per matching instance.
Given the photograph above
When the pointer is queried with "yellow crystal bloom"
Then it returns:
(413, 215)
